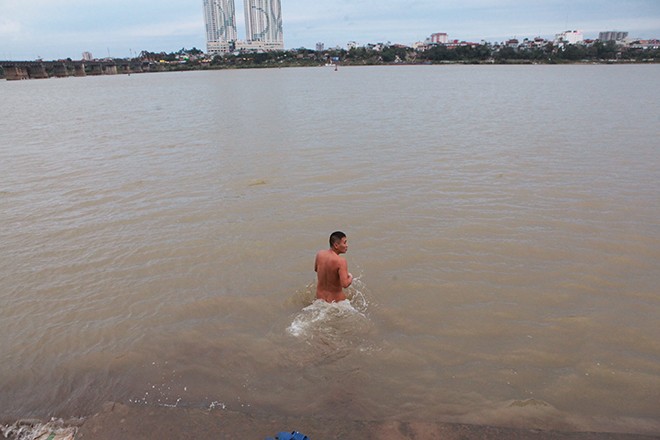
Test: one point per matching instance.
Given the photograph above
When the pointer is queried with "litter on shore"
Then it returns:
(37, 430)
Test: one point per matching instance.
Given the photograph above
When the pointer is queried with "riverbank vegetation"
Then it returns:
(465, 53)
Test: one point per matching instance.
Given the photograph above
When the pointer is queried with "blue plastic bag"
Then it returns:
(289, 436)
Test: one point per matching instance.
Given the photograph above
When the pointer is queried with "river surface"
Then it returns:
(158, 232)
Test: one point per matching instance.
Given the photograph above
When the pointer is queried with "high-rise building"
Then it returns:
(439, 38)
(263, 22)
(612, 36)
(220, 19)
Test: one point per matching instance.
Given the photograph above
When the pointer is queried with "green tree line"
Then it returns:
(482, 53)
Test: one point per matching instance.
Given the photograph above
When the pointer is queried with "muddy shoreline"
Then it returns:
(119, 421)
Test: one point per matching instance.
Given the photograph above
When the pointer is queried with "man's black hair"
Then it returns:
(336, 237)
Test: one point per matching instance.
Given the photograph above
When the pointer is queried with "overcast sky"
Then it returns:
(54, 29)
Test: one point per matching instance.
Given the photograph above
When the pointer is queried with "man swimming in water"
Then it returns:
(332, 270)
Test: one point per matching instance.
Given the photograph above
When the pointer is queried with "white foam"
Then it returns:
(320, 314)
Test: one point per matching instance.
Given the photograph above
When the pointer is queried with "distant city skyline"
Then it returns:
(54, 29)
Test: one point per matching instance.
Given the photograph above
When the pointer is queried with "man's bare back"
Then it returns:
(332, 270)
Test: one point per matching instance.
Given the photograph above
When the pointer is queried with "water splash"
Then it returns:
(345, 320)
(359, 295)
(165, 392)
(323, 318)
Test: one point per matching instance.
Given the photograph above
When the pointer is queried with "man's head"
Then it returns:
(338, 242)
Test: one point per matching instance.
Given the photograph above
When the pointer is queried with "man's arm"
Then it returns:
(345, 278)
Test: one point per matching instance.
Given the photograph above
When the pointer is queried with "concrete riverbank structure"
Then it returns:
(18, 70)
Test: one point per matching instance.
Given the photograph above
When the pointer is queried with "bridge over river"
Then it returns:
(16, 70)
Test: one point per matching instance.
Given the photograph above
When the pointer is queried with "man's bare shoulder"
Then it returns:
(327, 256)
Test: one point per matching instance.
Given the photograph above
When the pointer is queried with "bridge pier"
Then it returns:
(79, 70)
(109, 69)
(13, 73)
(95, 69)
(37, 71)
(60, 70)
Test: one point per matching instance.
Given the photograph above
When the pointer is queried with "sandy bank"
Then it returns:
(118, 421)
